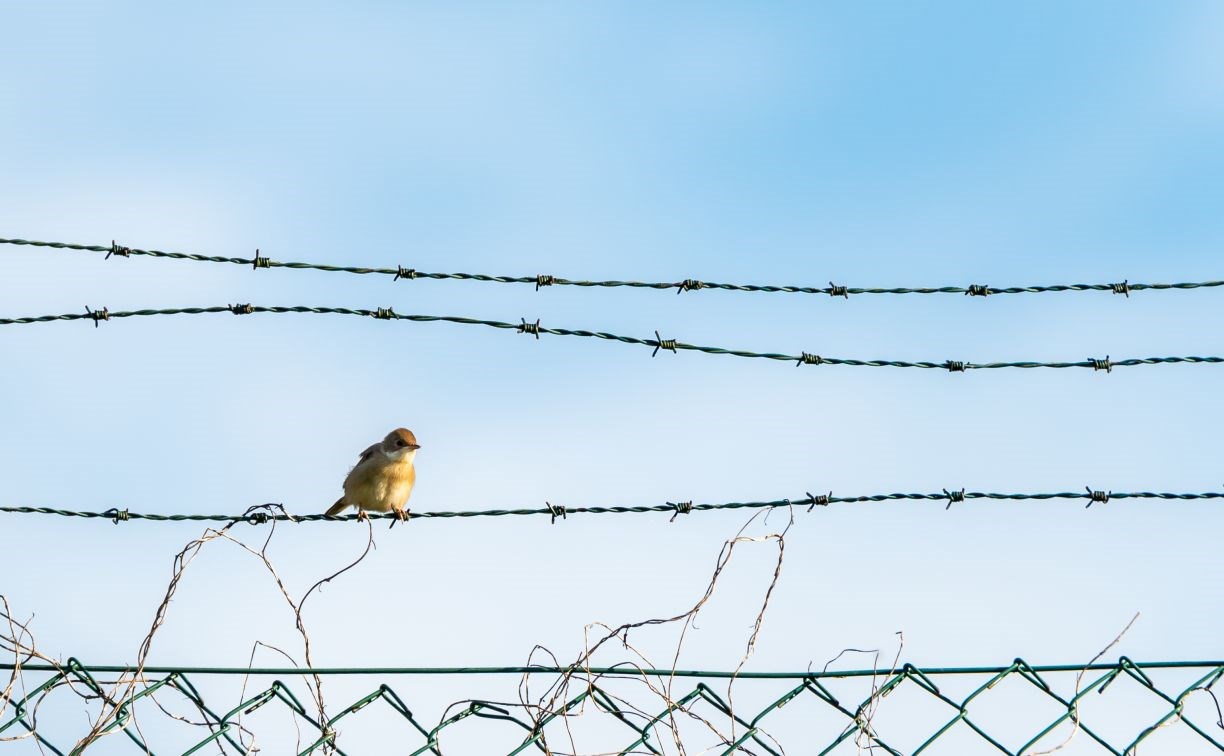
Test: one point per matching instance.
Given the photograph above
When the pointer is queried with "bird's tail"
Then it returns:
(337, 508)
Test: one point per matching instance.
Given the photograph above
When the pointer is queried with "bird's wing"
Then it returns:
(365, 464)
(366, 455)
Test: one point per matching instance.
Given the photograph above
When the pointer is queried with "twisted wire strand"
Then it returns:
(656, 343)
(976, 290)
(261, 517)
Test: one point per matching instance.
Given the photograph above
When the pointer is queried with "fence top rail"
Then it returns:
(623, 670)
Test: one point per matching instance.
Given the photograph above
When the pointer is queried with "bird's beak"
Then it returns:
(414, 447)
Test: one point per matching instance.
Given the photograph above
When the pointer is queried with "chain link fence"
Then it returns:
(1117, 708)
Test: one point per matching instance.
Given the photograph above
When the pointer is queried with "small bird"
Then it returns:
(382, 479)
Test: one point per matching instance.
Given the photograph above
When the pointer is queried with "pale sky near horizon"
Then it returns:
(897, 145)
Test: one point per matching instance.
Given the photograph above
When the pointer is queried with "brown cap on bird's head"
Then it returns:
(400, 438)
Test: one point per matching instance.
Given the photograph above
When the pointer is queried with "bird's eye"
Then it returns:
(400, 443)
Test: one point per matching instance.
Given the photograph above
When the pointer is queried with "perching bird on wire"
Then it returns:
(382, 479)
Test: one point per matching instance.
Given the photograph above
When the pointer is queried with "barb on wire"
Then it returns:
(690, 284)
(821, 500)
(657, 343)
(554, 510)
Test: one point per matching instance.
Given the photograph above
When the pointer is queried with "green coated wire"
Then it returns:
(264, 513)
(658, 343)
(400, 272)
(622, 671)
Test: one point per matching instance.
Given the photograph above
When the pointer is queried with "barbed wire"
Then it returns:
(810, 501)
(1119, 731)
(690, 284)
(1106, 364)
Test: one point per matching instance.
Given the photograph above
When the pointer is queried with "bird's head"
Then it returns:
(400, 443)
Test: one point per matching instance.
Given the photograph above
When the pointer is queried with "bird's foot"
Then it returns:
(401, 515)
(362, 516)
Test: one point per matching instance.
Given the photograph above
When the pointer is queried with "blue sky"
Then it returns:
(892, 145)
